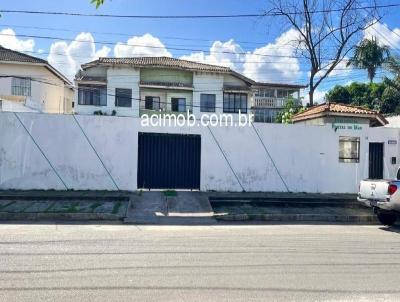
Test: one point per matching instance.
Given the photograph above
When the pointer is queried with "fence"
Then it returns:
(42, 151)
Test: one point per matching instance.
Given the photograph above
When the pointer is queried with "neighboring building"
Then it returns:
(135, 86)
(270, 98)
(393, 121)
(353, 125)
(340, 115)
(14, 104)
(32, 83)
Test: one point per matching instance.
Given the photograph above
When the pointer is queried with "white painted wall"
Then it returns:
(49, 98)
(13, 106)
(306, 156)
(209, 84)
(124, 78)
(116, 78)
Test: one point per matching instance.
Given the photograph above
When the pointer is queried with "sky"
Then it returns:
(245, 44)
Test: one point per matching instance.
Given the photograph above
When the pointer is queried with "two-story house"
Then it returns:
(31, 84)
(139, 85)
(270, 98)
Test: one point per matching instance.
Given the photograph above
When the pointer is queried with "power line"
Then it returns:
(123, 34)
(230, 61)
(221, 16)
(288, 46)
(156, 47)
(145, 46)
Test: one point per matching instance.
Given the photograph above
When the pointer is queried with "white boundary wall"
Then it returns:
(306, 156)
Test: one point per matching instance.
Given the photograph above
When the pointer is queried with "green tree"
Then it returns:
(339, 94)
(392, 64)
(367, 95)
(97, 2)
(390, 101)
(369, 55)
(286, 115)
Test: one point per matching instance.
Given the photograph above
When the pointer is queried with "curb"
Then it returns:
(168, 220)
(63, 198)
(58, 216)
(363, 219)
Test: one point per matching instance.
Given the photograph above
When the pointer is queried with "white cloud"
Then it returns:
(383, 34)
(9, 39)
(69, 57)
(340, 71)
(275, 62)
(141, 46)
(319, 96)
(228, 54)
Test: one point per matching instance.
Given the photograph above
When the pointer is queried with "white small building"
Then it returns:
(144, 85)
(31, 83)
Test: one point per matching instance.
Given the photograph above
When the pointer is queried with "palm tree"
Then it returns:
(369, 55)
(392, 64)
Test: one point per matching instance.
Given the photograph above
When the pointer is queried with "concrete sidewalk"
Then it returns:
(160, 208)
(291, 207)
(187, 208)
(211, 207)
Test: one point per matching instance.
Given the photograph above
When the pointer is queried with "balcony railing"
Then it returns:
(271, 102)
(161, 112)
(175, 85)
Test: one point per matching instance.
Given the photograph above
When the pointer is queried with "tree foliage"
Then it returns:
(97, 2)
(392, 64)
(377, 96)
(369, 55)
(286, 115)
(384, 96)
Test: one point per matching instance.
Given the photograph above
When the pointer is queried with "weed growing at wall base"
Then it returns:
(189, 120)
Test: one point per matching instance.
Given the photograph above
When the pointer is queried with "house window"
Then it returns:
(268, 93)
(21, 86)
(178, 104)
(282, 93)
(152, 103)
(207, 102)
(92, 95)
(233, 102)
(349, 149)
(123, 97)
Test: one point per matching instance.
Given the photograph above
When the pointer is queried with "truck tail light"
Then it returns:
(392, 189)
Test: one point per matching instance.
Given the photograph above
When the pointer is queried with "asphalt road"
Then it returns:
(208, 263)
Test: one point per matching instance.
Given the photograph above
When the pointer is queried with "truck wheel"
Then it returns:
(387, 218)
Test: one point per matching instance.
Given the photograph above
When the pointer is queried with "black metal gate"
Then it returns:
(375, 160)
(168, 161)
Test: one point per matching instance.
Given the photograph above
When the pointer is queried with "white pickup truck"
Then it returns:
(383, 196)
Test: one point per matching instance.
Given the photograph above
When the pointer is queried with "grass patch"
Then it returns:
(170, 193)
(116, 208)
(73, 208)
(95, 205)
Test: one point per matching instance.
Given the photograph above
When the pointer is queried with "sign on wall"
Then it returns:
(346, 124)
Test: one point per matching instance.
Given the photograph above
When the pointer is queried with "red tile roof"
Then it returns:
(332, 108)
(166, 62)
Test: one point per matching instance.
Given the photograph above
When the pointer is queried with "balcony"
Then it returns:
(165, 85)
(271, 102)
